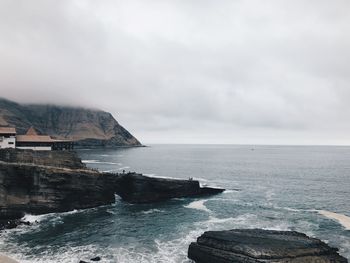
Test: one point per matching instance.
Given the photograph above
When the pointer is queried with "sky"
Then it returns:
(187, 71)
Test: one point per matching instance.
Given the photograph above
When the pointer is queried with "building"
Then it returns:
(7, 137)
(33, 141)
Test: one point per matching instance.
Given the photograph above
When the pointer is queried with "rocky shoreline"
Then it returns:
(39, 183)
(47, 184)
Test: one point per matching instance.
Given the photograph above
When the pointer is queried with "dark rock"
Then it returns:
(82, 261)
(32, 185)
(11, 223)
(33, 189)
(96, 259)
(209, 191)
(136, 188)
(256, 245)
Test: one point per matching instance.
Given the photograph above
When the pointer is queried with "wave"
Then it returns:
(342, 219)
(151, 211)
(198, 205)
(99, 162)
(229, 191)
(163, 177)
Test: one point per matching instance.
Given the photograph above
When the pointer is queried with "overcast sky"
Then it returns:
(187, 71)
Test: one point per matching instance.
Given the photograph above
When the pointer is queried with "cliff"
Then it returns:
(46, 182)
(257, 245)
(26, 188)
(87, 127)
(136, 188)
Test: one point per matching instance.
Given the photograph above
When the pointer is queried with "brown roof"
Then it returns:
(7, 130)
(38, 138)
(31, 131)
(34, 138)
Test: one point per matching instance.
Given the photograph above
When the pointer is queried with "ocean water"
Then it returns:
(272, 187)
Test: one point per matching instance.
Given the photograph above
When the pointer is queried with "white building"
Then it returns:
(7, 137)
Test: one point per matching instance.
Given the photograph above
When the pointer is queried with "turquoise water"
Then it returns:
(272, 187)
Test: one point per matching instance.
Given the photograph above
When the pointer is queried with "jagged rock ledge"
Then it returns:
(38, 185)
(137, 188)
(257, 245)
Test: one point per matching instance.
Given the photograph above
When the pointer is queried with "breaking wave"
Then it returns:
(99, 162)
(198, 205)
(340, 218)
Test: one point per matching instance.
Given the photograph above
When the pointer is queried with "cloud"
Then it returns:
(251, 71)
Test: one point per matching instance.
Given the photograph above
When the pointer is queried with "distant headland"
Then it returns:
(86, 127)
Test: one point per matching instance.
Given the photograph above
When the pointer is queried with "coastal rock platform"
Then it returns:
(257, 245)
(137, 188)
(32, 184)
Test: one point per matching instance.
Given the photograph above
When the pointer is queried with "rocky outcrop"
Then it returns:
(26, 188)
(45, 182)
(87, 127)
(136, 188)
(256, 245)
(64, 159)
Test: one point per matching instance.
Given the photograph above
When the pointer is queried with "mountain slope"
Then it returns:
(87, 127)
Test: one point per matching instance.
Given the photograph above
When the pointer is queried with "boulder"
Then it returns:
(257, 245)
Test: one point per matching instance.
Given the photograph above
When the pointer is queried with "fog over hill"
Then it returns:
(88, 127)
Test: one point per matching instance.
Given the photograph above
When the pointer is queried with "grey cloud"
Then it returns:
(187, 71)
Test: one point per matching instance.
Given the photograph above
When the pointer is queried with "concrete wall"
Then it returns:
(7, 142)
(67, 159)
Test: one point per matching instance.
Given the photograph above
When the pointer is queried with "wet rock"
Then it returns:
(256, 245)
(12, 223)
(31, 185)
(96, 259)
(26, 188)
(136, 188)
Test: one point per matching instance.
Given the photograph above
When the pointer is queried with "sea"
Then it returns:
(301, 188)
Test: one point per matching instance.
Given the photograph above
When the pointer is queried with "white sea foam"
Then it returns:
(229, 191)
(99, 162)
(35, 218)
(151, 211)
(38, 218)
(89, 161)
(342, 219)
(163, 177)
(199, 205)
